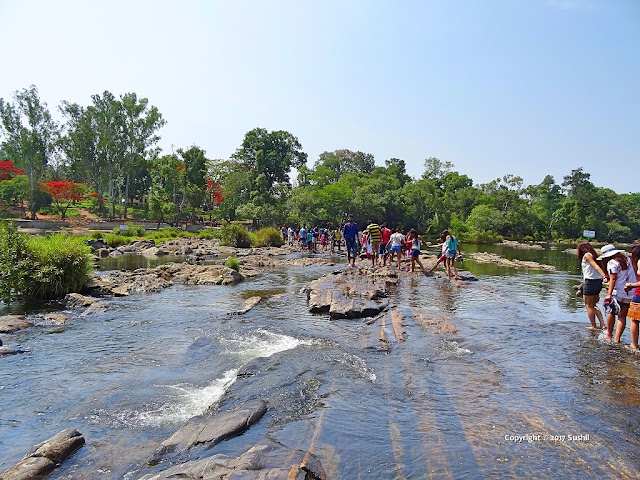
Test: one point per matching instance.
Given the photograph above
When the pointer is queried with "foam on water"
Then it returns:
(262, 345)
(453, 347)
(358, 365)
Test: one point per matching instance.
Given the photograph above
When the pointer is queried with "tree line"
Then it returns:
(111, 146)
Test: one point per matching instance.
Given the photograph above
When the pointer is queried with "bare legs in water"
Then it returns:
(593, 311)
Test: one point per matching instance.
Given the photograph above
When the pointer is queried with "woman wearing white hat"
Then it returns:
(620, 273)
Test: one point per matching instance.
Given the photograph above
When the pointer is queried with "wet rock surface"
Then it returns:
(46, 456)
(249, 303)
(268, 460)
(13, 323)
(352, 292)
(213, 429)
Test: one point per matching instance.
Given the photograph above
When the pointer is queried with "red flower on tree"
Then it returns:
(64, 193)
(8, 170)
(181, 167)
(214, 190)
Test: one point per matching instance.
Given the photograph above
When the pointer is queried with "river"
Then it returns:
(483, 365)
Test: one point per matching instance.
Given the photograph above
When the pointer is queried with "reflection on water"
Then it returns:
(481, 364)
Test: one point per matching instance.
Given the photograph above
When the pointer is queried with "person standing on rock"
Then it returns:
(385, 236)
(592, 276)
(302, 235)
(620, 273)
(452, 252)
(415, 239)
(395, 246)
(374, 240)
(350, 234)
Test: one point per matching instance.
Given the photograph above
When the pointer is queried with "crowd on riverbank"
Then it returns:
(618, 273)
(377, 243)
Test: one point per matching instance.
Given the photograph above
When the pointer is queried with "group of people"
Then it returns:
(377, 242)
(619, 274)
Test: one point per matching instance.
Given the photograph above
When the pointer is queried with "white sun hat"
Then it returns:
(608, 251)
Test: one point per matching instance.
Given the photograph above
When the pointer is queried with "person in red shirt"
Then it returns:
(385, 236)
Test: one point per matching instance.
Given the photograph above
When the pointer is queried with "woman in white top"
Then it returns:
(592, 275)
(620, 273)
(395, 246)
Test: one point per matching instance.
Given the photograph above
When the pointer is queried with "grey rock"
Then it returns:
(213, 429)
(13, 323)
(103, 252)
(115, 254)
(215, 467)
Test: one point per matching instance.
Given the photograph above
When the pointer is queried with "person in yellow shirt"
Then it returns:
(374, 238)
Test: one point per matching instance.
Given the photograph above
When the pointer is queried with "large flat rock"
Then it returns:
(351, 293)
(13, 323)
(213, 429)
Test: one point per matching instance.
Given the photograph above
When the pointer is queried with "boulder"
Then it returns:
(103, 252)
(115, 254)
(13, 323)
(213, 429)
(75, 300)
(45, 456)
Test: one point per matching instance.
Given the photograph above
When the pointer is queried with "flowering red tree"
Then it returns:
(214, 190)
(8, 170)
(64, 194)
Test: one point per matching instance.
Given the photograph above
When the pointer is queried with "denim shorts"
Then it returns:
(352, 246)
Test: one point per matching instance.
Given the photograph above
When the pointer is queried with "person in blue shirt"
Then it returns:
(350, 234)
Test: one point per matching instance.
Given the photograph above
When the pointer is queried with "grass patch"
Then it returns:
(268, 237)
(232, 263)
(235, 235)
(41, 267)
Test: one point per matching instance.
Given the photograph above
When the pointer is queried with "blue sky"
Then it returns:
(527, 87)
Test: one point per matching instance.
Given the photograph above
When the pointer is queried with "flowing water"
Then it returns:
(482, 365)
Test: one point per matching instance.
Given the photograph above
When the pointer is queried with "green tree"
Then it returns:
(30, 135)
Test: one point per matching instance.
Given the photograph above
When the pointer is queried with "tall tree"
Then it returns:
(30, 135)
(141, 123)
(272, 154)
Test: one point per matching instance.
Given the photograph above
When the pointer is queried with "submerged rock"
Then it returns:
(213, 429)
(13, 323)
(249, 303)
(45, 456)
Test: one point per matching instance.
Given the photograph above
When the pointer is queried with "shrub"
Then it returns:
(115, 239)
(234, 235)
(269, 237)
(208, 234)
(528, 238)
(61, 264)
(97, 235)
(233, 263)
(41, 267)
